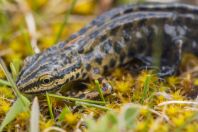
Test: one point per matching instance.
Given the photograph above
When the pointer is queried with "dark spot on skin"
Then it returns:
(105, 68)
(116, 15)
(61, 45)
(49, 50)
(69, 48)
(84, 75)
(127, 32)
(103, 38)
(106, 46)
(112, 63)
(141, 45)
(66, 60)
(128, 10)
(81, 42)
(114, 31)
(122, 57)
(143, 8)
(32, 85)
(112, 25)
(131, 53)
(99, 60)
(77, 75)
(93, 35)
(88, 67)
(72, 78)
(100, 79)
(142, 22)
(73, 36)
(126, 37)
(62, 64)
(81, 50)
(195, 11)
(82, 31)
(117, 47)
(57, 77)
(69, 69)
(82, 70)
(67, 81)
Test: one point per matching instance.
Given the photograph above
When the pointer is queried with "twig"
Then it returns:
(93, 105)
(178, 102)
(165, 117)
(57, 129)
(30, 21)
(5, 52)
(9, 100)
(157, 121)
(191, 109)
(158, 113)
(32, 31)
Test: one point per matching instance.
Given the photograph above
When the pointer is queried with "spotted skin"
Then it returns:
(156, 34)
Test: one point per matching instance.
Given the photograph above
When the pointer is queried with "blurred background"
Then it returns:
(41, 23)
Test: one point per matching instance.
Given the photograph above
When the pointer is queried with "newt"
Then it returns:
(114, 39)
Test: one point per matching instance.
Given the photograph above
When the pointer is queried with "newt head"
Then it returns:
(49, 70)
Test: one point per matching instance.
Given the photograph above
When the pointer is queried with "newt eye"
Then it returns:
(46, 80)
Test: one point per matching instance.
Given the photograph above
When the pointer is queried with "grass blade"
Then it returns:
(11, 81)
(146, 87)
(14, 72)
(49, 106)
(17, 108)
(62, 114)
(4, 82)
(92, 105)
(21, 104)
(34, 120)
(67, 14)
(9, 77)
(77, 99)
(130, 115)
(99, 90)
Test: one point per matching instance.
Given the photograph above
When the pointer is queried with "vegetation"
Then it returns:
(142, 102)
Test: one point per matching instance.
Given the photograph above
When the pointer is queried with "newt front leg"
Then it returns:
(104, 84)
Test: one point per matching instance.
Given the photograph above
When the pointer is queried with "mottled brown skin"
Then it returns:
(156, 34)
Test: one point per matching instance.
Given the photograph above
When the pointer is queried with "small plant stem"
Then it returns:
(93, 105)
(99, 90)
(77, 99)
(146, 87)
